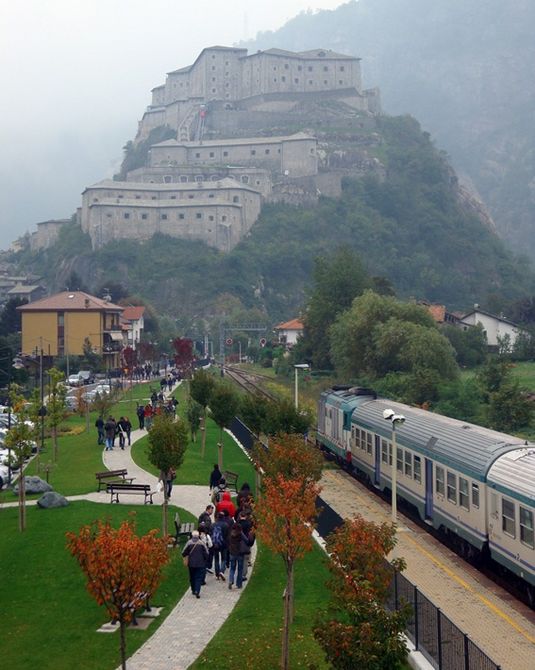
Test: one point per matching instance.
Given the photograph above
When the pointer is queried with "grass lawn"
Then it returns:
(256, 622)
(48, 619)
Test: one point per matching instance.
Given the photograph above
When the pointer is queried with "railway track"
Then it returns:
(246, 380)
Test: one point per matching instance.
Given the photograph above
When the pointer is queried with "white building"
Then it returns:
(494, 327)
(289, 331)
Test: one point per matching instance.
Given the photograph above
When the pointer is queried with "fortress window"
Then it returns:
(183, 178)
(173, 197)
(191, 196)
(198, 215)
(312, 150)
(213, 67)
(210, 218)
(299, 68)
(225, 153)
(286, 66)
(138, 197)
(278, 151)
(235, 199)
(154, 198)
(245, 179)
(163, 217)
(325, 82)
(120, 197)
(274, 79)
(197, 155)
(126, 215)
(212, 154)
(283, 78)
(267, 151)
(167, 179)
(508, 517)
(342, 68)
(227, 74)
(213, 90)
(181, 216)
(526, 527)
(340, 82)
(226, 62)
(325, 68)
(95, 199)
(223, 218)
(258, 182)
(275, 68)
(296, 80)
(210, 195)
(309, 68)
(310, 82)
(213, 78)
(108, 215)
(144, 217)
(253, 152)
(227, 85)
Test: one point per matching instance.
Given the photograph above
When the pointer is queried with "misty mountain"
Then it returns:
(464, 69)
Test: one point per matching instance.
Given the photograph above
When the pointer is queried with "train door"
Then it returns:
(377, 469)
(428, 488)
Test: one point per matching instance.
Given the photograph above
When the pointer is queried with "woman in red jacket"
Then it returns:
(226, 504)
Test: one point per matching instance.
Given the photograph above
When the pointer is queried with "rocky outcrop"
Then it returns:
(34, 485)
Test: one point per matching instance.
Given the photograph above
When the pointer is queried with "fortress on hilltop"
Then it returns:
(226, 154)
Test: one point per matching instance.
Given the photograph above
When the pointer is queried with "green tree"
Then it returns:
(470, 345)
(509, 409)
(201, 388)
(337, 280)
(168, 441)
(493, 375)
(56, 405)
(224, 405)
(10, 317)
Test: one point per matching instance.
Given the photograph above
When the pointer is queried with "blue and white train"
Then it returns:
(474, 484)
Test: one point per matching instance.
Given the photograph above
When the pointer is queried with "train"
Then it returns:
(472, 484)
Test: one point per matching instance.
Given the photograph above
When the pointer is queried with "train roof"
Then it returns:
(464, 446)
(514, 472)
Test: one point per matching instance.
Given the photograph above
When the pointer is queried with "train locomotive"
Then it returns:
(473, 484)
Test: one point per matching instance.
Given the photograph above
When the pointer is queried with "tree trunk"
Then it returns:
(285, 652)
(220, 450)
(55, 442)
(203, 431)
(164, 508)
(123, 643)
(291, 597)
(22, 499)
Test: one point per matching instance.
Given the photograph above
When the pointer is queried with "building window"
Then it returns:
(95, 199)
(198, 215)
(526, 527)
(213, 56)
(226, 63)
(325, 82)
(126, 215)
(183, 179)
(275, 68)
(384, 451)
(235, 199)
(342, 68)
(108, 215)
(369, 438)
(164, 217)
(197, 155)
(508, 517)
(225, 153)
(274, 79)
(138, 197)
(181, 216)
(296, 80)
(244, 179)
(253, 152)
(144, 217)
(452, 487)
(191, 196)
(120, 197)
(312, 150)
(210, 195)
(223, 218)
(212, 154)
(210, 218)
(439, 480)
(325, 68)
(340, 82)
(417, 468)
(283, 78)
(154, 197)
(475, 495)
(173, 197)
(463, 494)
(213, 78)
(408, 464)
(213, 68)
(266, 152)
(286, 66)
(213, 90)
(309, 68)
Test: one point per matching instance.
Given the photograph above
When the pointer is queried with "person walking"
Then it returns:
(206, 517)
(109, 429)
(215, 477)
(99, 425)
(121, 432)
(148, 411)
(170, 477)
(226, 505)
(236, 538)
(207, 539)
(220, 533)
(245, 497)
(128, 430)
(140, 411)
(196, 552)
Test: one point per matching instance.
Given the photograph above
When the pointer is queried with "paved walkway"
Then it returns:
(193, 622)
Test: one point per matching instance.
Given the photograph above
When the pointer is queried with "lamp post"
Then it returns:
(297, 367)
(396, 420)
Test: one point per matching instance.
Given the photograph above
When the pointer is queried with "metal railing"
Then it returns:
(431, 632)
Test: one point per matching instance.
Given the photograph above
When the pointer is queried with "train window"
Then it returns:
(452, 488)
(369, 442)
(475, 495)
(439, 480)
(399, 460)
(408, 464)
(417, 468)
(526, 527)
(508, 517)
(384, 451)
(463, 493)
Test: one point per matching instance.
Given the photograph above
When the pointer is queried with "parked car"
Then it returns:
(87, 376)
(75, 380)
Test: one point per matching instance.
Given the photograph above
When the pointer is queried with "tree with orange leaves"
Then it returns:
(123, 570)
(357, 631)
(286, 513)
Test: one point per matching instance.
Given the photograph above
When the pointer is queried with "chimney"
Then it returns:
(86, 303)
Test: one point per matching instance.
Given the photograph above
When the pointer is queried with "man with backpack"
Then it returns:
(220, 531)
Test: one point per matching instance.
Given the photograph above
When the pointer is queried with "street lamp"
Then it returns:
(396, 420)
(297, 367)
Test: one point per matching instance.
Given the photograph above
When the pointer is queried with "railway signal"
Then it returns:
(229, 341)
(263, 342)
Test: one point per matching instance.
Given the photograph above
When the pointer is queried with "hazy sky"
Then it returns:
(76, 77)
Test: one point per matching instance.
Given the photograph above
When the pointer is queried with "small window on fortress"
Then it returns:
(173, 197)
(191, 196)
(154, 197)
(296, 80)
(245, 179)
(286, 66)
(213, 90)
(223, 218)
(227, 84)
(163, 217)
(325, 68)
(309, 68)
(95, 199)
(212, 154)
(283, 78)
(213, 78)
(126, 215)
(225, 153)
(197, 155)
(342, 68)
(312, 150)
(167, 179)
(144, 216)
(235, 199)
(210, 195)
(267, 151)
(108, 215)
(181, 216)
(275, 68)
(226, 63)
(310, 82)
(120, 197)
(325, 82)
(198, 215)
(299, 68)
(138, 197)
(340, 82)
(258, 182)
(253, 152)
(210, 218)
(183, 178)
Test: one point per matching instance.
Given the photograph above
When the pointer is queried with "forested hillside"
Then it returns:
(465, 70)
(410, 227)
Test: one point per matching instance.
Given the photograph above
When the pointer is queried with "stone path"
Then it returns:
(193, 622)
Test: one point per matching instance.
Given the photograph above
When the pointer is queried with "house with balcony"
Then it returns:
(61, 324)
(132, 320)
(289, 331)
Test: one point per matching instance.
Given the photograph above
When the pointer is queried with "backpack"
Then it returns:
(217, 536)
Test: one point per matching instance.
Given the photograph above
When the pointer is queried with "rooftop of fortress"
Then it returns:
(242, 141)
(225, 183)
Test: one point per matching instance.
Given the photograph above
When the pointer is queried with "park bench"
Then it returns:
(139, 489)
(232, 480)
(182, 529)
(118, 476)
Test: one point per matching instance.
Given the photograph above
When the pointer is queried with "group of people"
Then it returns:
(109, 430)
(224, 537)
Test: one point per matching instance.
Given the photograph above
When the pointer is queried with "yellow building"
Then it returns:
(61, 323)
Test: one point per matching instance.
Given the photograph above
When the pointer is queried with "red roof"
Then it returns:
(73, 301)
(294, 324)
(133, 313)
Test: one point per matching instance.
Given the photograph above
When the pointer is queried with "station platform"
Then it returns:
(502, 627)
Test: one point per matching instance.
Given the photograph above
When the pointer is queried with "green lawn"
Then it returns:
(49, 620)
(256, 622)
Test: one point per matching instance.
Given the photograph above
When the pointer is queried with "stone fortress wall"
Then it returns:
(209, 183)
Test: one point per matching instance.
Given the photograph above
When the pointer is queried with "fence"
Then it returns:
(432, 633)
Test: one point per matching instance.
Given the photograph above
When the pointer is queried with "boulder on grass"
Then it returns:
(52, 499)
(34, 485)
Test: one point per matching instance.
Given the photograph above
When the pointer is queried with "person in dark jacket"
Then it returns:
(140, 411)
(245, 497)
(215, 477)
(206, 517)
(220, 533)
(236, 538)
(109, 428)
(99, 425)
(197, 553)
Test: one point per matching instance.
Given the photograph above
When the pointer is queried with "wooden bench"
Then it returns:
(117, 475)
(138, 489)
(232, 480)
(183, 530)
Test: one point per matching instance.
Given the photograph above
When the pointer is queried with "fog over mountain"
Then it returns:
(465, 69)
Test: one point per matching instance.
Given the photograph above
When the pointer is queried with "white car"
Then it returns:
(75, 380)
